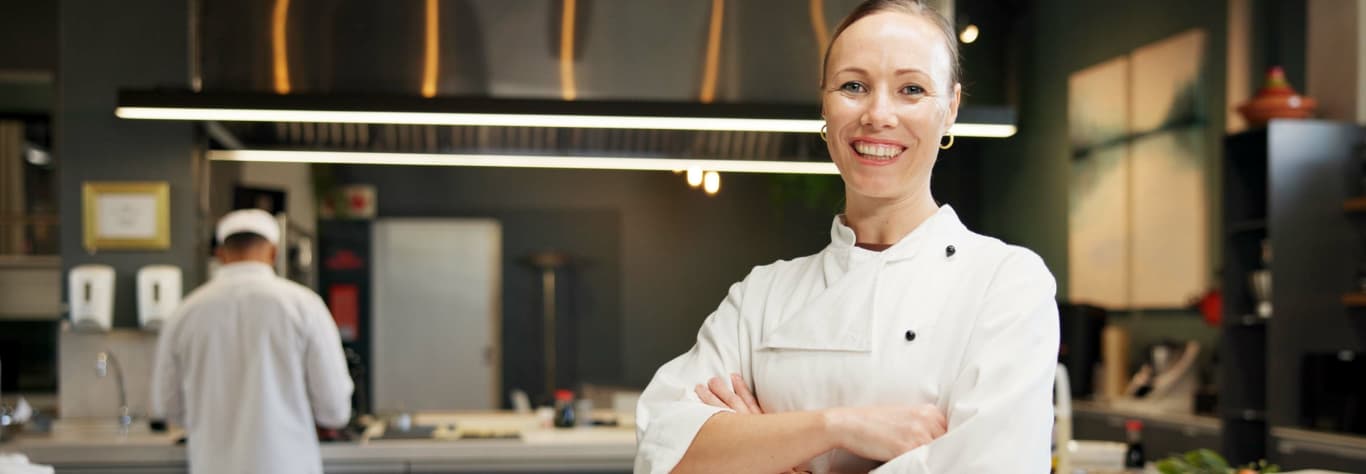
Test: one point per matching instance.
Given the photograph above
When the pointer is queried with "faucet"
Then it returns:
(102, 362)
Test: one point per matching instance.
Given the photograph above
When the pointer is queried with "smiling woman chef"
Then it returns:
(909, 344)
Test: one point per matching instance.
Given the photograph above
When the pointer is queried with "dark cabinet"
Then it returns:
(1286, 190)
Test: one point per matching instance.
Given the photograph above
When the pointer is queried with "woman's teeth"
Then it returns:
(878, 150)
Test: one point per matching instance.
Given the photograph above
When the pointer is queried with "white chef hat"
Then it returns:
(255, 221)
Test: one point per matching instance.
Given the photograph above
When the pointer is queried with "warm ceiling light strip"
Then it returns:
(708, 94)
(279, 47)
(431, 52)
(819, 27)
(523, 161)
(568, 90)
(987, 130)
(517, 120)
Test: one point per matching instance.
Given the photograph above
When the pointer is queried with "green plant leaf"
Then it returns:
(1212, 459)
(1173, 466)
(1200, 461)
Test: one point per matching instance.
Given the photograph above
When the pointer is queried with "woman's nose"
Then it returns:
(879, 113)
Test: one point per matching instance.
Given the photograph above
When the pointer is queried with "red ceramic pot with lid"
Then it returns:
(1276, 99)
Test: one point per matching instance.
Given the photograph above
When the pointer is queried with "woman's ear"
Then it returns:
(954, 102)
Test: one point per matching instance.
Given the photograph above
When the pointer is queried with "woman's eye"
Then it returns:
(852, 87)
(912, 90)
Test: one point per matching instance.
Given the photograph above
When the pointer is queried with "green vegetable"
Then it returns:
(1204, 461)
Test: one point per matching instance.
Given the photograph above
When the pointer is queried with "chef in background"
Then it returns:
(252, 362)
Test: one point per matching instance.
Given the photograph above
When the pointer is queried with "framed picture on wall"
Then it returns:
(126, 215)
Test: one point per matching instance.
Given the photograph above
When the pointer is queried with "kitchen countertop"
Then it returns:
(98, 442)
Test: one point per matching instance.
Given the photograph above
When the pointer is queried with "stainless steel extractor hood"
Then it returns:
(644, 84)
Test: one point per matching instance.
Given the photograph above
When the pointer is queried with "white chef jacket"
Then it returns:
(249, 364)
(945, 316)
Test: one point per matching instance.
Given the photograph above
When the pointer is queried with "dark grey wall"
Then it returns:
(660, 255)
(588, 296)
(106, 46)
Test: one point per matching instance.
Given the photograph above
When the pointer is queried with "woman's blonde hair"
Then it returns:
(910, 7)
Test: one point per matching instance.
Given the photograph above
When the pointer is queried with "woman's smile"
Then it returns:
(877, 152)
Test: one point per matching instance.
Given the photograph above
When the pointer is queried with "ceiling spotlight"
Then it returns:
(694, 176)
(969, 34)
(711, 183)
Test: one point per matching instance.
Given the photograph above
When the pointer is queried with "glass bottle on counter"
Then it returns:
(1134, 459)
(564, 409)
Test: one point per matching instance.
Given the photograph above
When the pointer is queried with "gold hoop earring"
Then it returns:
(823, 137)
(949, 145)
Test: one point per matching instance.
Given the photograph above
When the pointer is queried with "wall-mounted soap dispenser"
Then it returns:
(90, 289)
(158, 295)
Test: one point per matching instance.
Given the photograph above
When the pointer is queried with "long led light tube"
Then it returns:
(515, 120)
(523, 161)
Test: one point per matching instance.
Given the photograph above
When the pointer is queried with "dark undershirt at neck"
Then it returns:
(873, 247)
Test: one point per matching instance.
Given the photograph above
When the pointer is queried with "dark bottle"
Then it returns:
(1133, 456)
(564, 409)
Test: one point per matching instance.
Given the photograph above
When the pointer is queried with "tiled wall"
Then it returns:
(81, 393)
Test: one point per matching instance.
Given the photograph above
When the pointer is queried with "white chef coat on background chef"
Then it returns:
(945, 316)
(250, 364)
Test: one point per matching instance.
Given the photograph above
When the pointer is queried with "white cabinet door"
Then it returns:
(436, 313)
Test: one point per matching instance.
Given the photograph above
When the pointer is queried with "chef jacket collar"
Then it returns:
(839, 317)
(939, 226)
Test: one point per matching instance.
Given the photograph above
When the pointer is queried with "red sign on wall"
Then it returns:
(344, 259)
(344, 301)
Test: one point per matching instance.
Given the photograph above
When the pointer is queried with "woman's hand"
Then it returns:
(715, 393)
(879, 433)
(883, 433)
